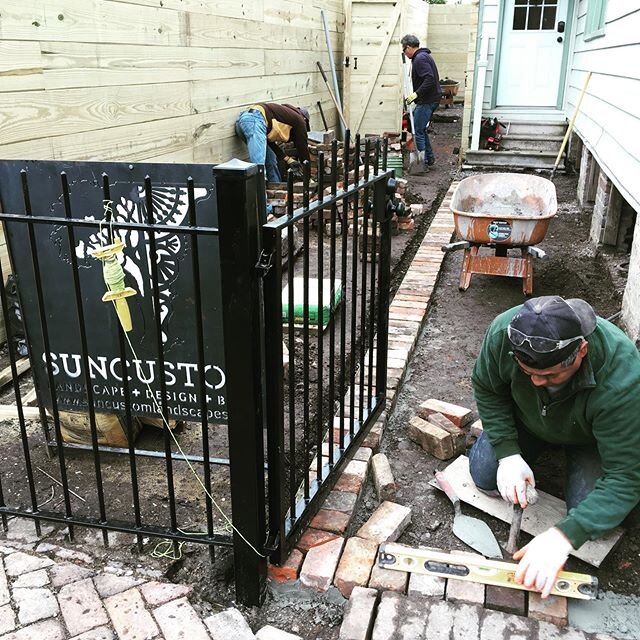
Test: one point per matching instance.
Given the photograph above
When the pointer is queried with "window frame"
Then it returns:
(595, 19)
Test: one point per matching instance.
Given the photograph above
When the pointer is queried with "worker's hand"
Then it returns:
(295, 166)
(541, 560)
(513, 476)
(411, 98)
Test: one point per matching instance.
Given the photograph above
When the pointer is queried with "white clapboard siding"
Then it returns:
(609, 117)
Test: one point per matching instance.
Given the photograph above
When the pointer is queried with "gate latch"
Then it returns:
(265, 262)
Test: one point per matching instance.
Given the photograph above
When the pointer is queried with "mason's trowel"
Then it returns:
(471, 531)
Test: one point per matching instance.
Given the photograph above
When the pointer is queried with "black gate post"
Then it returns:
(239, 222)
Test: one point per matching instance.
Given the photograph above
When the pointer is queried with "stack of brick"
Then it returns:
(438, 428)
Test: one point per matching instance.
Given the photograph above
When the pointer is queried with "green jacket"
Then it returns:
(600, 405)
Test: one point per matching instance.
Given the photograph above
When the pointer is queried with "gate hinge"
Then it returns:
(265, 262)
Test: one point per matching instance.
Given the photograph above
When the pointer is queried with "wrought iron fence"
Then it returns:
(205, 347)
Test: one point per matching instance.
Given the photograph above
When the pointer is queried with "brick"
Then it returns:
(342, 501)
(349, 483)
(178, 620)
(355, 565)
(313, 537)
(271, 633)
(363, 454)
(62, 574)
(388, 579)
(466, 622)
(108, 584)
(431, 438)
(359, 615)
(495, 624)
(460, 416)
(403, 618)
(383, 477)
(18, 563)
(356, 468)
(102, 633)
(464, 591)
(387, 523)
(5, 596)
(320, 565)
(157, 593)
(421, 584)
(333, 521)
(7, 619)
(457, 434)
(505, 599)
(440, 622)
(289, 570)
(553, 609)
(372, 439)
(35, 604)
(81, 607)
(228, 624)
(47, 630)
(38, 578)
(475, 429)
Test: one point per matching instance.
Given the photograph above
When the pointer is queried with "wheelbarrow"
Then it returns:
(501, 211)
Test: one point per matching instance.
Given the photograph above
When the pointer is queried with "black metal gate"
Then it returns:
(204, 350)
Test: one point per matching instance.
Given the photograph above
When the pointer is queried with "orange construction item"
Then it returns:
(501, 212)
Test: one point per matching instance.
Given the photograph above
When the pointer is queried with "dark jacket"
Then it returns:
(599, 405)
(285, 124)
(425, 77)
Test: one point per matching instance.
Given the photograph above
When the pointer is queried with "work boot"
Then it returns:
(431, 161)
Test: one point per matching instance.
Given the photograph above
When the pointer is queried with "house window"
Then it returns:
(596, 14)
(534, 15)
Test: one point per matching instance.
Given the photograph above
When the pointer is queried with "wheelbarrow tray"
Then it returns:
(503, 208)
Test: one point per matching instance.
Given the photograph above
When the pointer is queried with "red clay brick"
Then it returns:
(387, 523)
(320, 565)
(355, 566)
(313, 537)
(431, 438)
(552, 609)
(504, 599)
(333, 521)
(289, 570)
(460, 416)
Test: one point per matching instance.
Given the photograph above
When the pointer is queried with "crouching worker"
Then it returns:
(263, 125)
(550, 372)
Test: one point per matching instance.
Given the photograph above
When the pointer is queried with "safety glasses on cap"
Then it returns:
(539, 344)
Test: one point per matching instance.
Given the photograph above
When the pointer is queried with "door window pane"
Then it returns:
(534, 15)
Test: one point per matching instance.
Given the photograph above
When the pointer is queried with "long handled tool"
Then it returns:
(414, 154)
(333, 97)
(470, 530)
(570, 127)
(516, 521)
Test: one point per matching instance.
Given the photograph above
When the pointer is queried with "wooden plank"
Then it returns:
(69, 65)
(10, 411)
(537, 518)
(6, 376)
(389, 29)
(92, 21)
(69, 111)
(20, 66)
(247, 9)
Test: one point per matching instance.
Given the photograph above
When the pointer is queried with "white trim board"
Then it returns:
(536, 518)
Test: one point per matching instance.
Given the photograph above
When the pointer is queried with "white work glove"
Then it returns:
(513, 476)
(541, 560)
(411, 98)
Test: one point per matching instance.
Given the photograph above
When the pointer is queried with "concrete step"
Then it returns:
(512, 159)
(533, 128)
(526, 142)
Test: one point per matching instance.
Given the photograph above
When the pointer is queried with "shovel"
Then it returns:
(414, 155)
(471, 531)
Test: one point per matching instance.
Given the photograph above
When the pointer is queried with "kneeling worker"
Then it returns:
(263, 125)
(550, 372)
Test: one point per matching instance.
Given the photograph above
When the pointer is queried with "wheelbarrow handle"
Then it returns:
(455, 246)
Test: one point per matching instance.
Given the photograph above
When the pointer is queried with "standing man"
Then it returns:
(550, 372)
(426, 93)
(263, 125)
